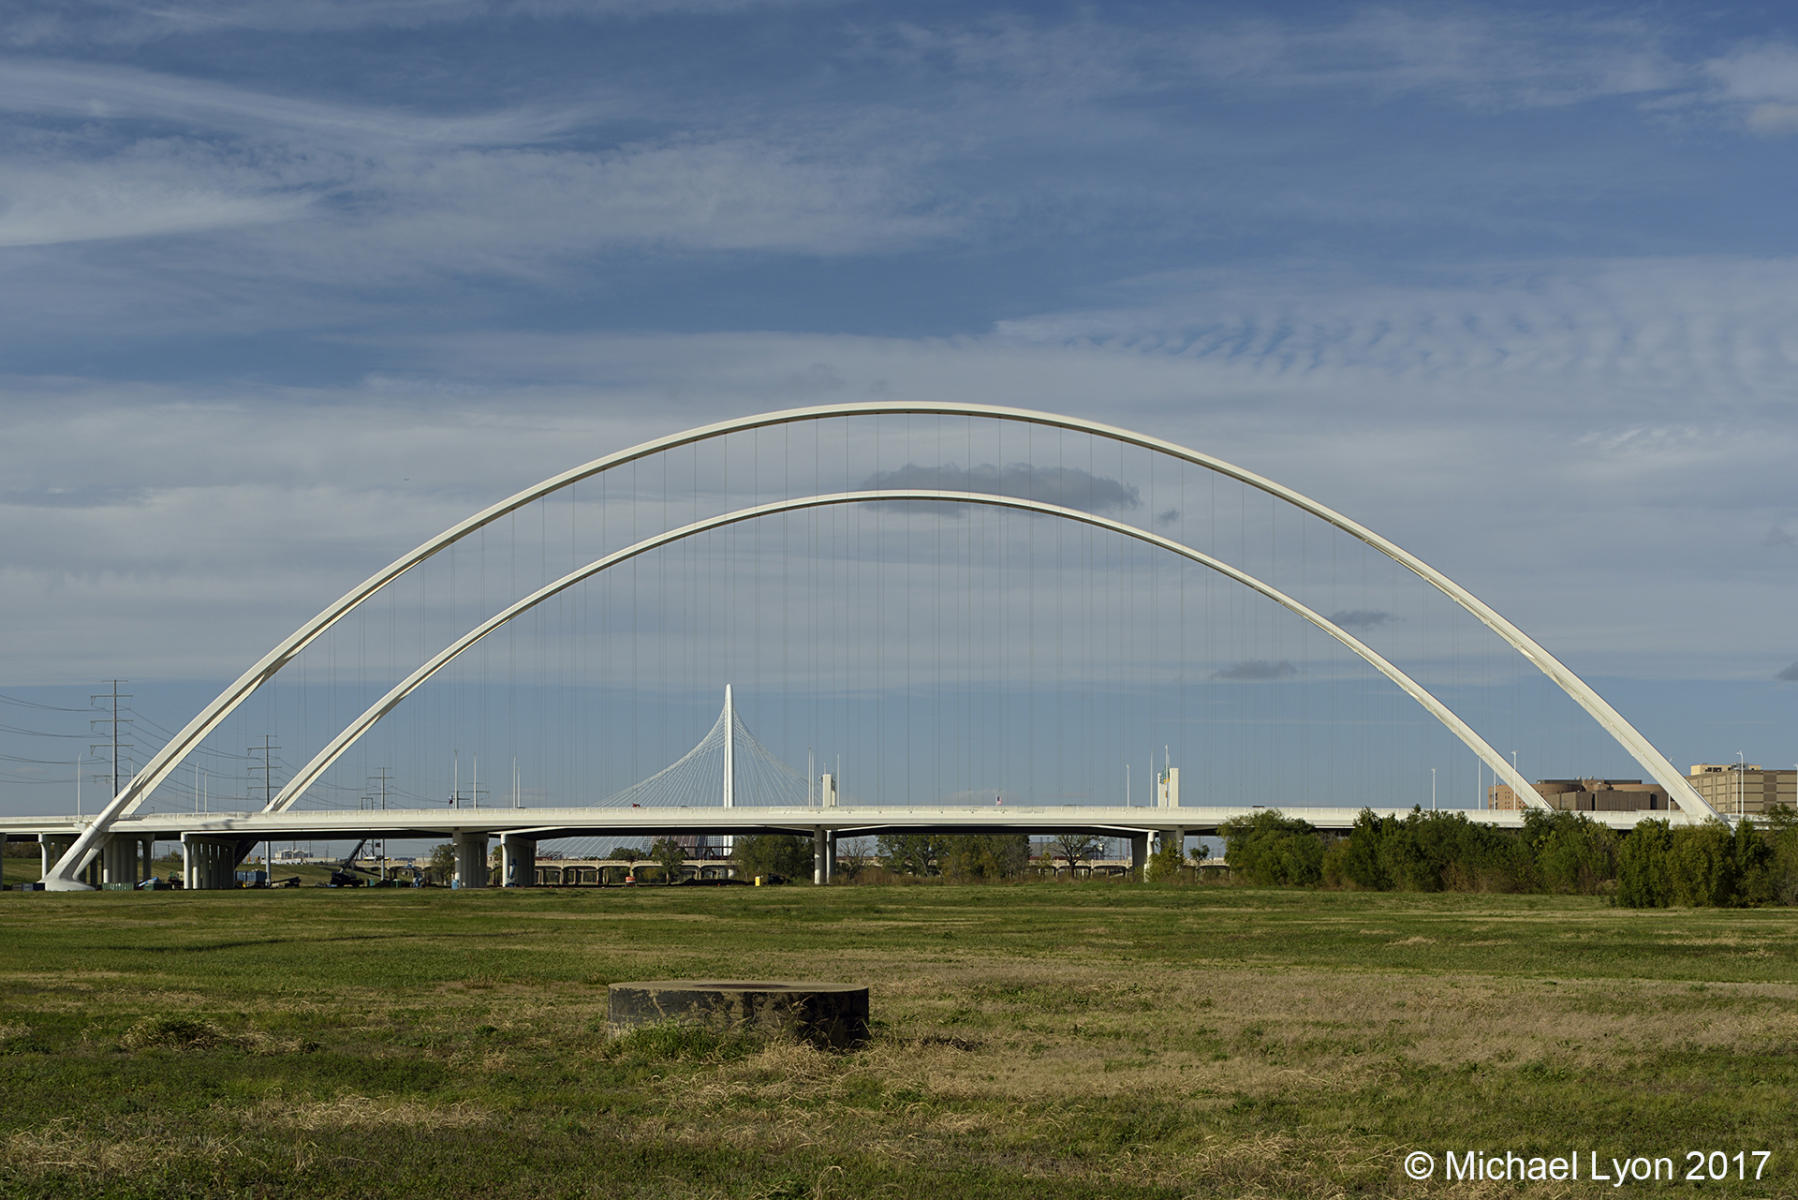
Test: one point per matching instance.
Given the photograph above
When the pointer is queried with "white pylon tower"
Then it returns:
(730, 751)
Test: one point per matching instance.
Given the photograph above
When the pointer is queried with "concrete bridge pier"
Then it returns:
(471, 860)
(824, 855)
(208, 864)
(1175, 838)
(1139, 855)
(121, 860)
(517, 860)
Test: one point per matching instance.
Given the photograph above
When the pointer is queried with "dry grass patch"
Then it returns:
(187, 1034)
(100, 1157)
(365, 1112)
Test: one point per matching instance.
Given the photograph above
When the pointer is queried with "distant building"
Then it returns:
(1743, 789)
(1587, 795)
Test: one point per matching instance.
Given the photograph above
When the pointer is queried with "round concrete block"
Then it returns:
(830, 1015)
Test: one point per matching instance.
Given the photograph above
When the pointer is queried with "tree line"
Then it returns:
(954, 858)
(1653, 865)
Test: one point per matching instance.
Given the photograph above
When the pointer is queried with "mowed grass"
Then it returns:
(1041, 1040)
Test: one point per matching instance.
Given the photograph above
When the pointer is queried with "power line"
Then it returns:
(24, 703)
(41, 733)
(40, 762)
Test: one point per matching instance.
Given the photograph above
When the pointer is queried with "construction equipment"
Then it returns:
(345, 873)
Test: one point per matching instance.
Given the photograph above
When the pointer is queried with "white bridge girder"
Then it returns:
(846, 821)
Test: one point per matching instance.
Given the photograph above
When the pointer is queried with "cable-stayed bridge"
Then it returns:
(728, 784)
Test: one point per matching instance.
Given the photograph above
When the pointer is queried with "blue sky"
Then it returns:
(289, 287)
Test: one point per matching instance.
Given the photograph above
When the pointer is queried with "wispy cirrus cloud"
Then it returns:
(96, 92)
(144, 197)
(369, 193)
(120, 22)
(1482, 58)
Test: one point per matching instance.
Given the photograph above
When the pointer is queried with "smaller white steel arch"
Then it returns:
(321, 762)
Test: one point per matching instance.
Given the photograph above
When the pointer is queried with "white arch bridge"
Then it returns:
(116, 838)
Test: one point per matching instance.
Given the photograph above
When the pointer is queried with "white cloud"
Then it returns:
(1481, 58)
(717, 195)
(377, 195)
(137, 197)
(1759, 72)
(110, 93)
(1685, 330)
(1773, 118)
(1759, 84)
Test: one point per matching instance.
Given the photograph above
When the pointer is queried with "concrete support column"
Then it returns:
(209, 864)
(830, 857)
(471, 860)
(1139, 855)
(118, 860)
(820, 856)
(52, 846)
(517, 860)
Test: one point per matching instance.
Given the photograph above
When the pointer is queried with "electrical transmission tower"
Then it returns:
(266, 767)
(112, 722)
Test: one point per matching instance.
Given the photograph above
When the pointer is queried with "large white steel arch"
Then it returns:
(63, 875)
(296, 787)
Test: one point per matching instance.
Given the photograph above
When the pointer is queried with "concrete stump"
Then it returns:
(829, 1015)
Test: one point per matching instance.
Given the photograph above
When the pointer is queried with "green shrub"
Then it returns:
(1702, 865)
(1270, 849)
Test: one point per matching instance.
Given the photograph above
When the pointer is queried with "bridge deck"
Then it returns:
(845, 820)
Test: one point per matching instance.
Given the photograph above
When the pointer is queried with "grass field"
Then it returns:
(1042, 1040)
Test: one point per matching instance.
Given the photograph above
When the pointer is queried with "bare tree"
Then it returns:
(1072, 848)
